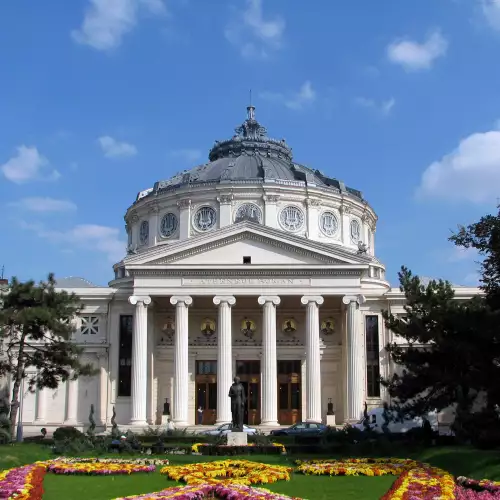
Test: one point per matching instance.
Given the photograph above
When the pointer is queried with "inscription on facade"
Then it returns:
(244, 281)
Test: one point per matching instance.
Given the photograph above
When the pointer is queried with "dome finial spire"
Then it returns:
(251, 109)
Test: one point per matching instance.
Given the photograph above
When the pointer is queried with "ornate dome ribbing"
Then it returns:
(250, 156)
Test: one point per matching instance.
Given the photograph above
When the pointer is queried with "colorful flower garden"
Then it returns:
(245, 479)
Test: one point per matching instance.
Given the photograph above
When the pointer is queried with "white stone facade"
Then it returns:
(263, 276)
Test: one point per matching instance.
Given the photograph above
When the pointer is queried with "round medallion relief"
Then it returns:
(291, 218)
(205, 218)
(328, 223)
(250, 212)
(168, 225)
(144, 232)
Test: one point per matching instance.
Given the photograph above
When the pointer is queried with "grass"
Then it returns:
(457, 460)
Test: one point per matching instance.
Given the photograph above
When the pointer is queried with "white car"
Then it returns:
(226, 428)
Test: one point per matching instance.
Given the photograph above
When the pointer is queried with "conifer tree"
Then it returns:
(36, 325)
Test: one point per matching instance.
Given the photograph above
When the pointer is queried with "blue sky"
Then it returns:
(101, 98)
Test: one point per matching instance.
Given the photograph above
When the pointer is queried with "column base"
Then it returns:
(269, 423)
(180, 423)
(314, 420)
(138, 423)
(71, 422)
(223, 421)
(39, 422)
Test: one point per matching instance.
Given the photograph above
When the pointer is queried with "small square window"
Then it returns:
(247, 260)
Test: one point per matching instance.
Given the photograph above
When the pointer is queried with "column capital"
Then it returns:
(178, 299)
(269, 298)
(318, 299)
(136, 299)
(359, 299)
(219, 299)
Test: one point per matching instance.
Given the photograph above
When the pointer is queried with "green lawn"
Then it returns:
(457, 460)
(106, 488)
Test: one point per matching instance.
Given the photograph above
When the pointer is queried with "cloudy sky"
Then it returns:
(101, 98)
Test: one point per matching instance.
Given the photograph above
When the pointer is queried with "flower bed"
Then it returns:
(228, 471)
(23, 483)
(234, 479)
(356, 467)
(424, 483)
(223, 491)
(134, 461)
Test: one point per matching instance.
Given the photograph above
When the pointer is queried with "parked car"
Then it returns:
(301, 429)
(376, 422)
(225, 429)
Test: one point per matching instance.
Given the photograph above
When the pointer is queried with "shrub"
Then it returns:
(64, 433)
(5, 434)
(240, 450)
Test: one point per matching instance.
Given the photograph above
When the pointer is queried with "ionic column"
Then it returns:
(224, 357)
(41, 407)
(139, 358)
(103, 388)
(313, 359)
(72, 402)
(269, 412)
(181, 358)
(355, 366)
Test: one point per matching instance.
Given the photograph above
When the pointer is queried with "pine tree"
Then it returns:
(36, 324)
(447, 346)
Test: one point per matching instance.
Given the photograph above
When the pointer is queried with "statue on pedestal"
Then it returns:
(238, 400)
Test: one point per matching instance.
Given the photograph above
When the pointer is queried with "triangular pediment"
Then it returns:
(228, 246)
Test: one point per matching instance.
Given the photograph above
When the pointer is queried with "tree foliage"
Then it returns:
(484, 237)
(444, 347)
(448, 350)
(36, 325)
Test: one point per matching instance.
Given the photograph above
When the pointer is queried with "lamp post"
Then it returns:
(19, 435)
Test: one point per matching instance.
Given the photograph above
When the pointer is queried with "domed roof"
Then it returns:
(250, 156)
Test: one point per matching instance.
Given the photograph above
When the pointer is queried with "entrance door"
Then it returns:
(206, 392)
(289, 392)
(249, 373)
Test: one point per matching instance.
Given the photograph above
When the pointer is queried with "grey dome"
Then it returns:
(74, 282)
(250, 156)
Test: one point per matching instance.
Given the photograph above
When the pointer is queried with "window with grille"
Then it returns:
(206, 368)
(125, 356)
(372, 356)
(89, 325)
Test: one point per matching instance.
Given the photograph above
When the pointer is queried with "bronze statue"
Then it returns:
(238, 400)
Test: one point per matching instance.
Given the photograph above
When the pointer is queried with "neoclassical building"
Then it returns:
(252, 265)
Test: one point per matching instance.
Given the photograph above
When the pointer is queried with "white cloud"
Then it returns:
(383, 107)
(305, 96)
(491, 12)
(461, 254)
(89, 237)
(469, 173)
(254, 35)
(187, 155)
(414, 56)
(106, 22)
(27, 165)
(44, 205)
(115, 149)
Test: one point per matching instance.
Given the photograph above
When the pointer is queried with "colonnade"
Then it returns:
(269, 413)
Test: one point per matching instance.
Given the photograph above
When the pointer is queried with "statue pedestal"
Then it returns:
(237, 439)
(330, 420)
(164, 419)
